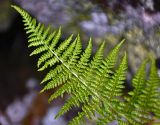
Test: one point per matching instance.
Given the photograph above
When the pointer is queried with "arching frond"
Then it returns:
(94, 83)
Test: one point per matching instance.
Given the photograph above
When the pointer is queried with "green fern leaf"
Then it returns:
(94, 83)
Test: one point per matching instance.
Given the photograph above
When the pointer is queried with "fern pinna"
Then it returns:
(93, 83)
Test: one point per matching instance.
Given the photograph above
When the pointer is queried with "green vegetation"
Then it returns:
(94, 83)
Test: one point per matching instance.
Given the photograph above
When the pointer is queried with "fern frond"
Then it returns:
(151, 94)
(113, 92)
(138, 83)
(94, 83)
(145, 96)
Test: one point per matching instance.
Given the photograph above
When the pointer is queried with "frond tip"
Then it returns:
(94, 83)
